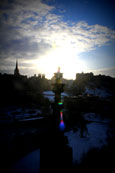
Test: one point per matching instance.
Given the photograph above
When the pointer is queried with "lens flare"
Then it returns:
(61, 115)
(62, 125)
(60, 103)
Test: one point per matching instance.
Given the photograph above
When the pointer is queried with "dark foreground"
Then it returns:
(52, 151)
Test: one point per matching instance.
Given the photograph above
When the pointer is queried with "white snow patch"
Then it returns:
(97, 92)
(96, 139)
(95, 117)
(51, 96)
(19, 113)
(64, 94)
(30, 119)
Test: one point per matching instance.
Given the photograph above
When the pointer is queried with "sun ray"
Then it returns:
(63, 57)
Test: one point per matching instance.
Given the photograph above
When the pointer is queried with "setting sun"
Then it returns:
(65, 58)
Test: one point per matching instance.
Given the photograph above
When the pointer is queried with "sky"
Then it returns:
(75, 35)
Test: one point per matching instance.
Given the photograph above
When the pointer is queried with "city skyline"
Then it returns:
(77, 36)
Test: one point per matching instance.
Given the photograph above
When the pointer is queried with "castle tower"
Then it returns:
(16, 70)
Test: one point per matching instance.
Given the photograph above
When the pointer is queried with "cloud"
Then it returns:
(105, 71)
(31, 29)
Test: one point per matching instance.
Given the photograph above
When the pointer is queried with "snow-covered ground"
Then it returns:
(96, 138)
(24, 113)
(31, 119)
(50, 95)
(103, 93)
(30, 163)
(96, 118)
(19, 113)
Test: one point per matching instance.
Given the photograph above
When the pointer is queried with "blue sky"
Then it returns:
(92, 11)
(77, 35)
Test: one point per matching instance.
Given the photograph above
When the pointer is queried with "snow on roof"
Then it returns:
(97, 92)
(50, 95)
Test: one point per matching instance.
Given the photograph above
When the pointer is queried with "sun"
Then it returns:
(62, 57)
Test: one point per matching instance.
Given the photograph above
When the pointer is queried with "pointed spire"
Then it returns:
(16, 64)
(16, 71)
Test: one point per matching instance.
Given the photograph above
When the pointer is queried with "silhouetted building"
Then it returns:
(84, 76)
(43, 76)
(16, 70)
(39, 76)
(58, 85)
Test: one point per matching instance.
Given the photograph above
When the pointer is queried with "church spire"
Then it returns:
(16, 70)
(16, 64)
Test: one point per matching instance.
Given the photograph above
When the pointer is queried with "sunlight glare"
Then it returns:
(63, 57)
